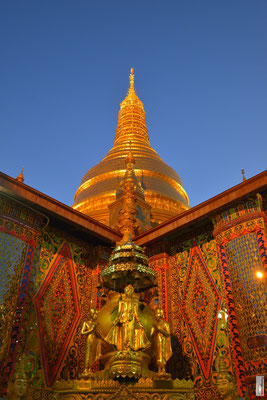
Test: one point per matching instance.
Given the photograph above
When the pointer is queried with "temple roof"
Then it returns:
(201, 215)
(77, 223)
(62, 216)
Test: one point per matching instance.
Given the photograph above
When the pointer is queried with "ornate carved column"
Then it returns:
(240, 236)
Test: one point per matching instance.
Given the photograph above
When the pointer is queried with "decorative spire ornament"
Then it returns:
(128, 212)
(20, 177)
(131, 119)
(132, 79)
(243, 175)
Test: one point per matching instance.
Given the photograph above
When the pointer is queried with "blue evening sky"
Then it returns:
(200, 70)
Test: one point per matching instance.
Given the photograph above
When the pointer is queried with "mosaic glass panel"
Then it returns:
(200, 305)
(189, 282)
(85, 260)
(12, 257)
(249, 292)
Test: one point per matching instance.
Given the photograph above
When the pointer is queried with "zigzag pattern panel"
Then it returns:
(58, 312)
(200, 306)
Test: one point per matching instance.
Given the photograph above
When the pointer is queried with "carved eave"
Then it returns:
(201, 215)
(58, 213)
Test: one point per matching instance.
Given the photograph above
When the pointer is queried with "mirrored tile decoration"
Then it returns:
(244, 261)
(12, 258)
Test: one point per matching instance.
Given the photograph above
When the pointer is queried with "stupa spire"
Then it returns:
(131, 95)
(132, 118)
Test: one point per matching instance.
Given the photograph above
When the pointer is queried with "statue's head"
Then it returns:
(93, 313)
(128, 290)
(225, 384)
(159, 313)
(18, 385)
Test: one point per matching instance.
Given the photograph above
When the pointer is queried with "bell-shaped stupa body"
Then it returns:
(162, 186)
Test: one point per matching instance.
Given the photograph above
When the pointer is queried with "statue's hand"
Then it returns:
(85, 330)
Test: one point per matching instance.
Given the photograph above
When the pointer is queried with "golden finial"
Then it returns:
(243, 174)
(132, 79)
(131, 100)
(20, 177)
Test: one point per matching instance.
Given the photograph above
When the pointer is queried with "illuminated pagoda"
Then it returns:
(162, 186)
(131, 294)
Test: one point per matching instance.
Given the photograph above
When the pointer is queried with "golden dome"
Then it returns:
(162, 185)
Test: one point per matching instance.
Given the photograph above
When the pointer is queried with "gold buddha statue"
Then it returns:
(127, 331)
(17, 386)
(126, 319)
(92, 344)
(225, 386)
(126, 322)
(225, 382)
(161, 337)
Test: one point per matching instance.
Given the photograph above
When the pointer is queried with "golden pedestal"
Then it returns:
(108, 389)
(126, 364)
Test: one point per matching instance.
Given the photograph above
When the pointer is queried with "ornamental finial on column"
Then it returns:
(20, 177)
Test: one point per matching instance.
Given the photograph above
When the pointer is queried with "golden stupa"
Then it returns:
(162, 186)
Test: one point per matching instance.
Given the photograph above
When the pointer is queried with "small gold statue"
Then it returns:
(17, 387)
(93, 343)
(225, 386)
(127, 331)
(225, 382)
(161, 336)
